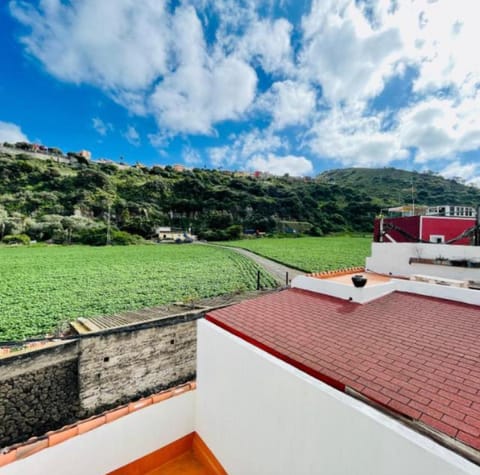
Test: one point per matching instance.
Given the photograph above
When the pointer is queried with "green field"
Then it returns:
(311, 254)
(43, 287)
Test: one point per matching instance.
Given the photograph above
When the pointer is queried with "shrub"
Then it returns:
(92, 236)
(122, 238)
(16, 239)
(98, 237)
(234, 231)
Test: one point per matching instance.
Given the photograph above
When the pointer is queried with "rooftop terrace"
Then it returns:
(413, 355)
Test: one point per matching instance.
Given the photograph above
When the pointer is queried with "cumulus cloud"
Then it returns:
(289, 164)
(349, 137)
(11, 133)
(289, 102)
(440, 128)
(344, 54)
(137, 51)
(244, 146)
(268, 42)
(196, 96)
(199, 63)
(352, 53)
(115, 45)
(468, 172)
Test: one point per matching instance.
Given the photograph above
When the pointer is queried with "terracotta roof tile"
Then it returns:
(35, 444)
(417, 356)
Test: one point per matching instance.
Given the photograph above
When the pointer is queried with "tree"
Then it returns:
(3, 221)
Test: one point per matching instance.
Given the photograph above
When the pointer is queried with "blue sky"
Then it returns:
(282, 86)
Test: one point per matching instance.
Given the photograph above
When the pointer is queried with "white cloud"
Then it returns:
(320, 75)
(132, 136)
(258, 141)
(114, 45)
(101, 127)
(244, 146)
(196, 96)
(11, 133)
(351, 54)
(291, 164)
(290, 103)
(440, 43)
(191, 156)
(344, 54)
(467, 172)
(269, 43)
(220, 156)
(137, 47)
(440, 128)
(202, 90)
(347, 136)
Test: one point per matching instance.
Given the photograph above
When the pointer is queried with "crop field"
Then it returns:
(311, 254)
(43, 287)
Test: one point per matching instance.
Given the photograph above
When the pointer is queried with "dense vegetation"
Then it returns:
(42, 287)
(48, 200)
(393, 187)
(312, 254)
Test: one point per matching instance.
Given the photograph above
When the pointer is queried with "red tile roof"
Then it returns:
(416, 356)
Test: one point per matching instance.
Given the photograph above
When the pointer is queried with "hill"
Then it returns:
(50, 200)
(392, 187)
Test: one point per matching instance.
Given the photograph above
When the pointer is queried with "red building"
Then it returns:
(434, 229)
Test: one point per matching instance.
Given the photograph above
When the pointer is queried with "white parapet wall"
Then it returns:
(368, 293)
(394, 259)
(114, 444)
(342, 291)
(261, 416)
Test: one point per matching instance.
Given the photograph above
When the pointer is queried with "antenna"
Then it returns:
(413, 199)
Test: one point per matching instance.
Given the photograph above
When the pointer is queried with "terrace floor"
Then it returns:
(185, 464)
(186, 456)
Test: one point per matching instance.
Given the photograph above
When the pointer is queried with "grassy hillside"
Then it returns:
(390, 186)
(50, 200)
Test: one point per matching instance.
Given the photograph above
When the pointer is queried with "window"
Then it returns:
(437, 238)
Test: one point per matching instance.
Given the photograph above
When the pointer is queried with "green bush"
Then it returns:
(91, 236)
(16, 239)
(122, 238)
(98, 237)
(209, 235)
(234, 232)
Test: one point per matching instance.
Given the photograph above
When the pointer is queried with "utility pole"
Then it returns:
(108, 224)
(413, 199)
(477, 228)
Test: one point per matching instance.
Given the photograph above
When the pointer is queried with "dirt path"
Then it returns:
(278, 271)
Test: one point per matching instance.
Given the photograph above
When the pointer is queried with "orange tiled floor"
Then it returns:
(186, 464)
(373, 279)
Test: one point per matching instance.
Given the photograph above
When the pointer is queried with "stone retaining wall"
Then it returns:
(38, 391)
(118, 367)
(45, 389)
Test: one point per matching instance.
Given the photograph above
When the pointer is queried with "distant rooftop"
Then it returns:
(416, 356)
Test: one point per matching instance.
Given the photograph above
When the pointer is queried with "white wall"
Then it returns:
(394, 258)
(457, 294)
(367, 293)
(261, 416)
(344, 291)
(114, 444)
